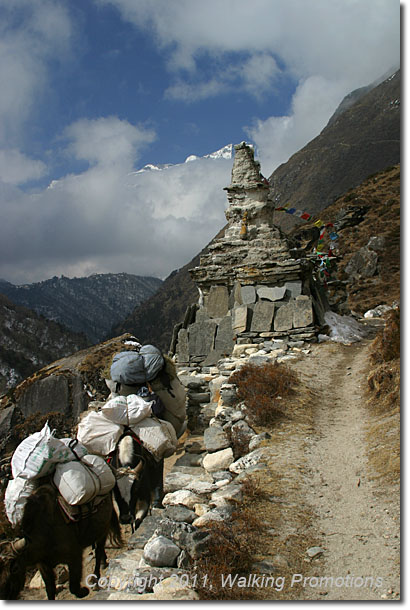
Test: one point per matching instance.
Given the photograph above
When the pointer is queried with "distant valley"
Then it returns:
(89, 305)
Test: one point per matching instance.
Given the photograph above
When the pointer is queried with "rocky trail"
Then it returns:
(325, 504)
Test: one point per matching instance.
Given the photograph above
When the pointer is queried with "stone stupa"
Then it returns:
(251, 289)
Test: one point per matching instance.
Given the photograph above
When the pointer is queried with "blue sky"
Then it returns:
(92, 90)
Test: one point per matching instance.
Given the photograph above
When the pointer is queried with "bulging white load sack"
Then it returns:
(38, 454)
(80, 481)
(127, 410)
(157, 436)
(98, 434)
(15, 498)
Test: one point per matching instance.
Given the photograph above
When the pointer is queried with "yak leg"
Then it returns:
(75, 568)
(100, 557)
(141, 510)
(47, 574)
(158, 483)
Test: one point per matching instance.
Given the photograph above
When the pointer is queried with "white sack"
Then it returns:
(79, 482)
(98, 434)
(127, 410)
(157, 436)
(15, 498)
(37, 455)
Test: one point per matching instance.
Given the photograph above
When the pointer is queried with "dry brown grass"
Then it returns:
(386, 346)
(384, 401)
(34, 423)
(263, 389)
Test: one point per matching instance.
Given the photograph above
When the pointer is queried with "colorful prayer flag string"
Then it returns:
(294, 211)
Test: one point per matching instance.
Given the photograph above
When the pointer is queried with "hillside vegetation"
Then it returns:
(373, 209)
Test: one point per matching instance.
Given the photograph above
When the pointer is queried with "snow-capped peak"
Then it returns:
(226, 152)
(222, 153)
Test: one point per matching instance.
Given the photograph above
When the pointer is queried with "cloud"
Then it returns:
(323, 49)
(110, 219)
(277, 138)
(17, 168)
(32, 34)
(256, 75)
(309, 37)
(195, 92)
(107, 140)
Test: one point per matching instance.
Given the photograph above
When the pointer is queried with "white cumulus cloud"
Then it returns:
(17, 168)
(277, 138)
(107, 140)
(108, 218)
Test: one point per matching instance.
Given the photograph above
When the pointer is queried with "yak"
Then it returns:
(139, 480)
(50, 538)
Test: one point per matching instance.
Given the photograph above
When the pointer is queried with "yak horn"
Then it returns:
(18, 545)
(126, 470)
(138, 467)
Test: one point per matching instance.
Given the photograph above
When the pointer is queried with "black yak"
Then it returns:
(49, 538)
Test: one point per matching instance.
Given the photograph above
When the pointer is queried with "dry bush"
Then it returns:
(384, 380)
(386, 346)
(263, 389)
(384, 400)
(232, 549)
(384, 387)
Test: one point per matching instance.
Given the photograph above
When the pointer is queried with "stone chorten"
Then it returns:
(251, 289)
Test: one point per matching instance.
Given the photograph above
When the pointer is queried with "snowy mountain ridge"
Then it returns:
(226, 152)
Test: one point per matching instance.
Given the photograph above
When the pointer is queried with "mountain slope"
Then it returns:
(356, 143)
(29, 342)
(90, 305)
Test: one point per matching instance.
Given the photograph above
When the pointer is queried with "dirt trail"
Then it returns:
(357, 519)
